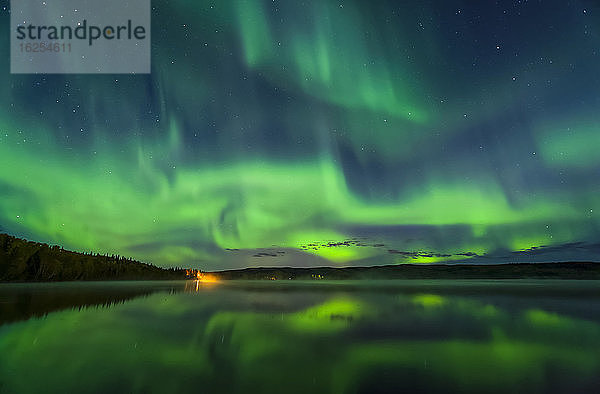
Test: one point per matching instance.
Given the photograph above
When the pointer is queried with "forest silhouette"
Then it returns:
(27, 261)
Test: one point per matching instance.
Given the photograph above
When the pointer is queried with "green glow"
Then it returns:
(228, 342)
(429, 300)
(571, 144)
(333, 315)
(330, 66)
(254, 29)
(273, 125)
(541, 317)
(467, 364)
(249, 204)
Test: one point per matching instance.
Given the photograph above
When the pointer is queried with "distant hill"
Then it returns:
(26, 261)
(573, 270)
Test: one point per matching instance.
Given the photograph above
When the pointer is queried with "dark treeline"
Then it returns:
(22, 260)
(574, 270)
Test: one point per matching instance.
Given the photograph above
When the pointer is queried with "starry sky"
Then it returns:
(277, 133)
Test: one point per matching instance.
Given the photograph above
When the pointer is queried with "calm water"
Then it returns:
(276, 337)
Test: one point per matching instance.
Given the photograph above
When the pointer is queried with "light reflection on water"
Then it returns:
(413, 336)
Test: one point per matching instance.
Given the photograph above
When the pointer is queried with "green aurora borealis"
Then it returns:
(442, 130)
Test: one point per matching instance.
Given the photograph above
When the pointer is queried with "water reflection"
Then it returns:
(261, 337)
(24, 300)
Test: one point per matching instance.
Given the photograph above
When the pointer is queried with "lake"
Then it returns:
(301, 337)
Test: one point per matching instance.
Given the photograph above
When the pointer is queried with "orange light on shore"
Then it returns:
(206, 278)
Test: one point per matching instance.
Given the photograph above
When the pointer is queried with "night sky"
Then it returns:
(319, 133)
